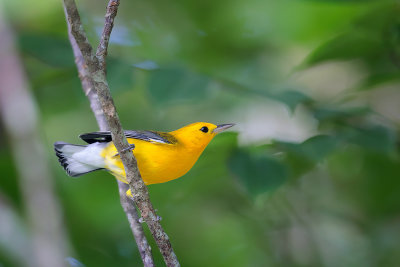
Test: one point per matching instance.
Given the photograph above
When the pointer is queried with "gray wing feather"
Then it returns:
(147, 136)
(141, 135)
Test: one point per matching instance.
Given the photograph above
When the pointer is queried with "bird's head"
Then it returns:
(199, 134)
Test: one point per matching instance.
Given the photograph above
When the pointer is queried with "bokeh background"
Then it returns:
(309, 176)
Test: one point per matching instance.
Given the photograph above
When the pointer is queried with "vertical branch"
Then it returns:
(20, 117)
(95, 70)
(129, 207)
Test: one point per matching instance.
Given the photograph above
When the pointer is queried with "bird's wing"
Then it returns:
(149, 136)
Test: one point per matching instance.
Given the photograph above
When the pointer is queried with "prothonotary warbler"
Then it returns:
(161, 156)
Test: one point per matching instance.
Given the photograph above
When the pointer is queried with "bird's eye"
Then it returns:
(204, 129)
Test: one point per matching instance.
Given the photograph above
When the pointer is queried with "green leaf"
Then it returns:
(377, 138)
(291, 98)
(373, 38)
(171, 85)
(324, 114)
(376, 79)
(318, 147)
(302, 158)
(375, 176)
(313, 149)
(257, 172)
(380, 186)
(352, 45)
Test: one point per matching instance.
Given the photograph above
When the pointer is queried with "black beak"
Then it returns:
(222, 127)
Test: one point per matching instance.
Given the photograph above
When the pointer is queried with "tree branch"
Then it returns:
(87, 83)
(88, 87)
(76, 29)
(93, 76)
(129, 207)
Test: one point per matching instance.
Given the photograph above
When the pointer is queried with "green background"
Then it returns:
(309, 176)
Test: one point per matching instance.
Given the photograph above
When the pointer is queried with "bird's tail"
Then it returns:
(70, 157)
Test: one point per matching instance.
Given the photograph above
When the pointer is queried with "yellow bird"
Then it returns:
(161, 156)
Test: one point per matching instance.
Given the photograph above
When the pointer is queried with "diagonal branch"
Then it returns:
(76, 29)
(93, 76)
(88, 87)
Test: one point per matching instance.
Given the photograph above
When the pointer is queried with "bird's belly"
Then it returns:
(157, 163)
(161, 170)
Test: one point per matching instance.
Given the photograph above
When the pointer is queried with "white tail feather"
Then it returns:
(78, 160)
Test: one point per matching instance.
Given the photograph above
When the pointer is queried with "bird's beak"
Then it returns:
(222, 127)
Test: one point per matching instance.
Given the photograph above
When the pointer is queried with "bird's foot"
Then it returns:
(129, 148)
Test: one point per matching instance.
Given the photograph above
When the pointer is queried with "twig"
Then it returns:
(137, 229)
(95, 70)
(101, 52)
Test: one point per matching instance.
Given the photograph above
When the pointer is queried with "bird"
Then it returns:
(160, 156)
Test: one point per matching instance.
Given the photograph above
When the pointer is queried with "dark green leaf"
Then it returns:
(313, 149)
(257, 172)
(381, 186)
(302, 158)
(324, 114)
(376, 138)
(347, 46)
(318, 147)
(291, 98)
(379, 78)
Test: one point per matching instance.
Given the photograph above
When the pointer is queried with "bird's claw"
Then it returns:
(129, 148)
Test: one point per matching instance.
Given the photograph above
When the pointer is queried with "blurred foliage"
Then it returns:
(256, 198)
(373, 39)
(251, 167)
(172, 85)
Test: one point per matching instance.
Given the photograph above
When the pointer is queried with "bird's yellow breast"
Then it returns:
(157, 162)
